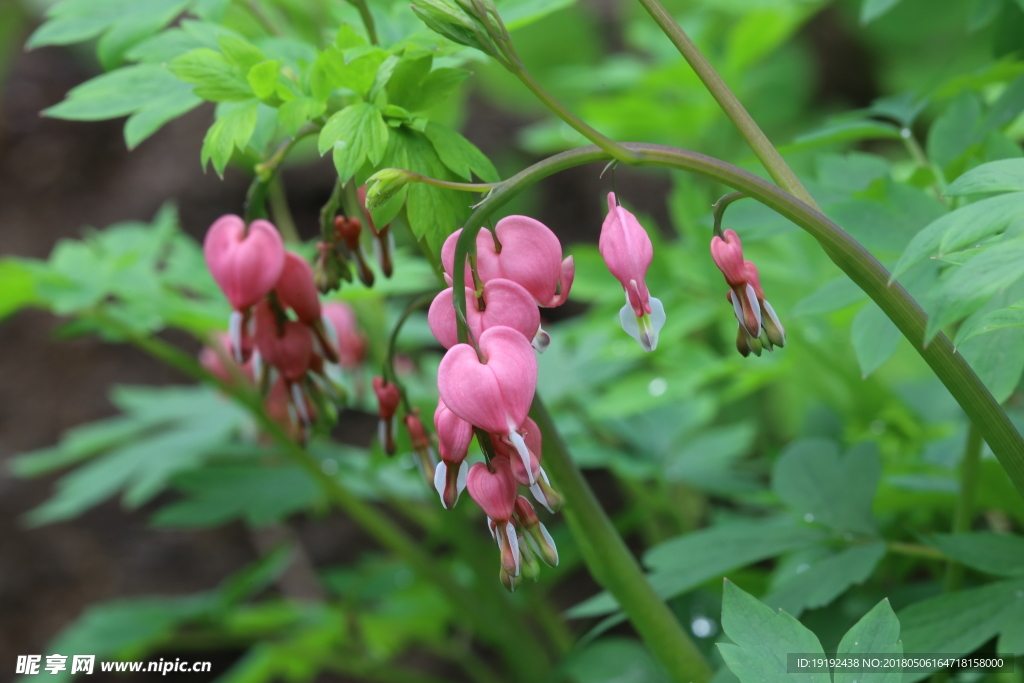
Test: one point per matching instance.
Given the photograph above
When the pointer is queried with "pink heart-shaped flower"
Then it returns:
(493, 488)
(296, 289)
(246, 265)
(496, 394)
(505, 304)
(287, 347)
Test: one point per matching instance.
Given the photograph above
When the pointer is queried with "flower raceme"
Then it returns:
(278, 323)
(628, 252)
(759, 326)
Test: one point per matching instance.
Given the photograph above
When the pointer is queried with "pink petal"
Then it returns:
(245, 266)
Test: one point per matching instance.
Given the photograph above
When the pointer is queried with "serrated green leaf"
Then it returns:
(433, 213)
(232, 130)
(119, 93)
(216, 79)
(874, 338)
(761, 640)
(292, 115)
(459, 154)
(240, 52)
(353, 70)
(818, 583)
(818, 484)
(406, 78)
(963, 227)
(1005, 175)
(356, 133)
(876, 634)
(991, 553)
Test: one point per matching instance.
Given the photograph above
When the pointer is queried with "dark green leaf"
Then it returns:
(816, 584)
(846, 131)
(459, 154)
(1005, 175)
(615, 660)
(998, 554)
(812, 478)
(955, 130)
(1011, 316)
(874, 338)
(831, 296)
(761, 640)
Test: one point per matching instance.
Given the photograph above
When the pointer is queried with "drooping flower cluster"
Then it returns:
(759, 327)
(487, 384)
(628, 252)
(277, 332)
(338, 250)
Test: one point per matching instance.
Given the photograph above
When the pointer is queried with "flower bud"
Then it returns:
(286, 345)
(538, 535)
(383, 185)
(388, 398)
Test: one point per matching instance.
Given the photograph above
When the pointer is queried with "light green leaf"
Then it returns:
(961, 228)
(519, 13)
(17, 282)
(121, 92)
(846, 131)
(615, 660)
(356, 133)
(459, 154)
(812, 478)
(816, 584)
(216, 78)
(262, 78)
(176, 101)
(998, 360)
(762, 638)
(232, 130)
(876, 634)
(240, 52)
(872, 9)
(292, 115)
(356, 72)
(1005, 175)
(998, 554)
(834, 295)
(874, 338)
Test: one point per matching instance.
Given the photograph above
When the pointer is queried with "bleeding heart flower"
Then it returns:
(388, 398)
(494, 393)
(543, 544)
(453, 438)
(349, 340)
(245, 264)
(493, 488)
(296, 290)
(286, 345)
(628, 252)
(505, 303)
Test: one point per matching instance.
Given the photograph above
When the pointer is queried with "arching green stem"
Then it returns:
(870, 275)
(389, 361)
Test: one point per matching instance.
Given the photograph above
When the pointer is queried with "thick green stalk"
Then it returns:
(612, 564)
(773, 162)
(870, 275)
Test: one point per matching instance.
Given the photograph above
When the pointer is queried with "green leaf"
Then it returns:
(1005, 175)
(812, 478)
(834, 295)
(876, 634)
(846, 131)
(964, 290)
(1007, 108)
(615, 660)
(762, 639)
(240, 52)
(121, 92)
(955, 130)
(997, 360)
(818, 583)
(687, 561)
(17, 282)
(961, 622)
(519, 13)
(998, 554)
(459, 154)
(262, 78)
(965, 226)
(292, 115)
(356, 72)
(356, 133)
(216, 78)
(874, 338)
(872, 9)
(232, 130)
(1011, 316)
(259, 495)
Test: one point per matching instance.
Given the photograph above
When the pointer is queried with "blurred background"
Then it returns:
(795, 64)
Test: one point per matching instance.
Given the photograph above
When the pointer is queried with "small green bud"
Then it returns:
(383, 185)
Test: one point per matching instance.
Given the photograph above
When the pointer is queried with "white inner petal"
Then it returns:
(440, 479)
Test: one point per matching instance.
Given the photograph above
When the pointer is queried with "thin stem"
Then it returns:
(770, 158)
(522, 655)
(719, 207)
(611, 563)
(367, 17)
(282, 214)
(389, 361)
(915, 550)
(964, 511)
(845, 252)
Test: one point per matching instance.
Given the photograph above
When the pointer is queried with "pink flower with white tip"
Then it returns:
(494, 489)
(246, 264)
(628, 252)
(759, 326)
(494, 390)
(454, 436)
(535, 478)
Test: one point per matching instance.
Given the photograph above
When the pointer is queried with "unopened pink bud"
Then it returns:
(296, 289)
(417, 434)
(245, 264)
(542, 542)
(453, 434)
(505, 303)
(504, 533)
(493, 488)
(727, 252)
(628, 252)
(388, 397)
